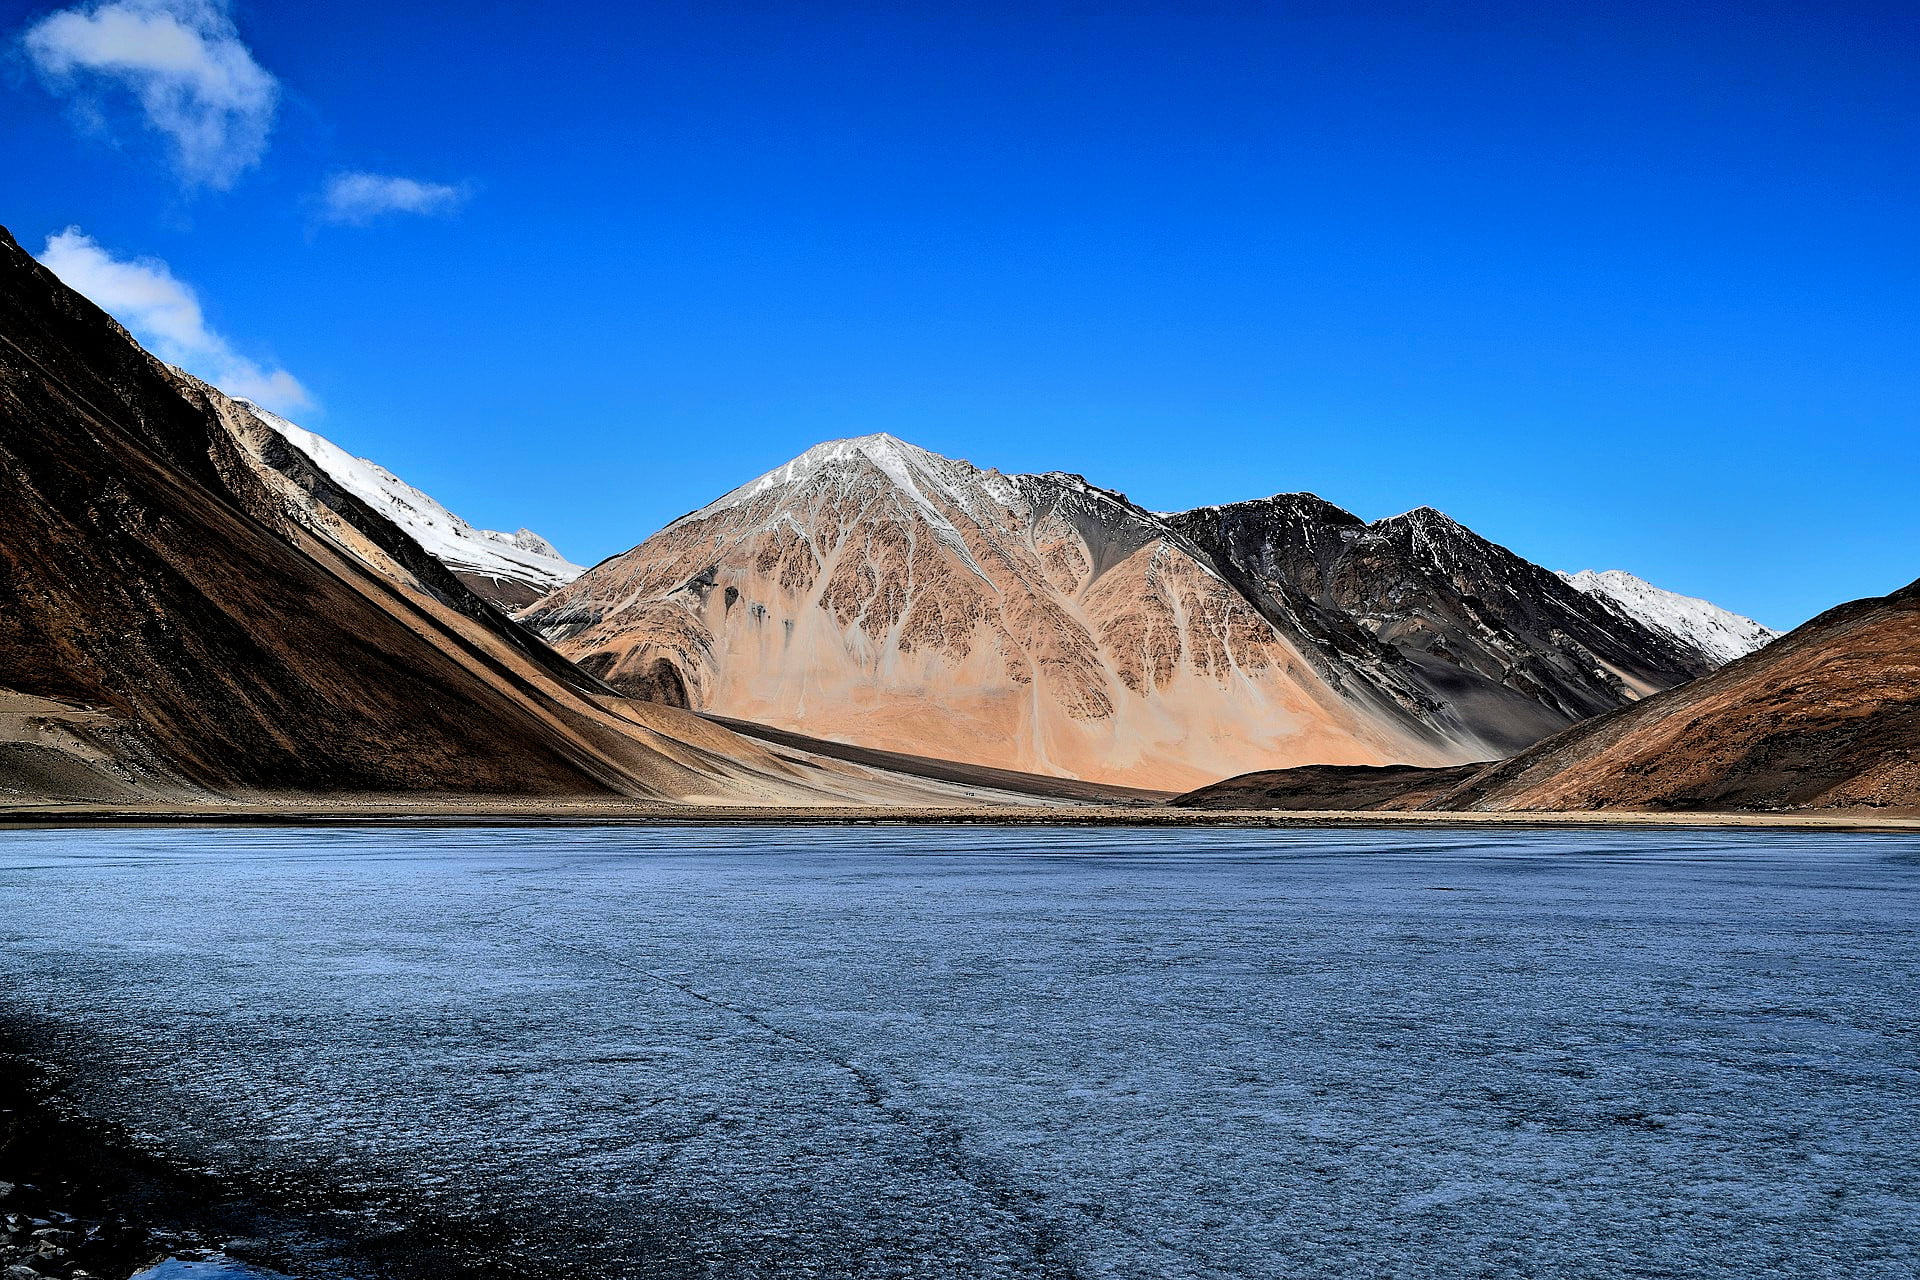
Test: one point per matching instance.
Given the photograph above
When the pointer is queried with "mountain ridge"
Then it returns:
(946, 547)
(509, 569)
(1710, 628)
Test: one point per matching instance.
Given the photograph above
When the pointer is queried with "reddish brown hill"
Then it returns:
(1827, 716)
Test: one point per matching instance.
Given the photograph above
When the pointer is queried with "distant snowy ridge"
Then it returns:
(1720, 633)
(523, 558)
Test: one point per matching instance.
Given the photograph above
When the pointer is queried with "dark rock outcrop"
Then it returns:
(1473, 622)
(1330, 787)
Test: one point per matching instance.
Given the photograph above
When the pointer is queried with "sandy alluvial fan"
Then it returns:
(190, 605)
(874, 592)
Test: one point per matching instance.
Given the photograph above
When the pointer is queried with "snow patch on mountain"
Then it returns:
(522, 557)
(1719, 633)
(909, 470)
(891, 455)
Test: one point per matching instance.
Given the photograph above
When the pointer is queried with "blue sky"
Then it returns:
(1623, 286)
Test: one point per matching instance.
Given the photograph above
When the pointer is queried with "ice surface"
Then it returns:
(948, 1052)
(205, 1269)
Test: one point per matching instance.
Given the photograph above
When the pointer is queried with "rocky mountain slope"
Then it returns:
(1826, 716)
(191, 604)
(1449, 601)
(1719, 633)
(872, 592)
(510, 569)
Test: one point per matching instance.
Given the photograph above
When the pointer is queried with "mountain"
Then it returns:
(1450, 602)
(509, 569)
(1826, 716)
(193, 607)
(1716, 632)
(872, 592)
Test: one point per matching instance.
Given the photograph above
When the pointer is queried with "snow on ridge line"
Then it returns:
(898, 460)
(906, 467)
(1719, 633)
(524, 556)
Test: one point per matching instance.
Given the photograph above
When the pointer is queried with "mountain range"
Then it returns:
(871, 591)
(201, 602)
(1825, 717)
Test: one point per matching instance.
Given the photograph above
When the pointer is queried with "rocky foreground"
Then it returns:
(82, 1200)
(76, 1203)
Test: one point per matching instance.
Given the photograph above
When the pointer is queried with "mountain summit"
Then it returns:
(875, 592)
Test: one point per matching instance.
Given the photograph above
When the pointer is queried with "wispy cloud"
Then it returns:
(164, 313)
(182, 61)
(359, 198)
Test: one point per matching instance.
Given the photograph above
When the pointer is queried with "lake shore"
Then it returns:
(496, 811)
(81, 1199)
(76, 1200)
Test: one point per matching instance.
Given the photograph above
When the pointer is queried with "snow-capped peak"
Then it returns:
(1719, 633)
(884, 451)
(524, 557)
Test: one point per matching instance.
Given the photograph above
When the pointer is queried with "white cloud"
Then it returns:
(164, 313)
(359, 198)
(183, 62)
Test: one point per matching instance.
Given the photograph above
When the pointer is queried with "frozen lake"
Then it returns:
(958, 1051)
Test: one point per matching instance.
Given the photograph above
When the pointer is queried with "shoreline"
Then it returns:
(79, 1200)
(117, 1207)
(469, 812)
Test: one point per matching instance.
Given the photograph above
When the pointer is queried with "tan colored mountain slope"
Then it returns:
(873, 592)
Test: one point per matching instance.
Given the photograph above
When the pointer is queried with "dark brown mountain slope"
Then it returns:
(1504, 644)
(163, 566)
(1828, 716)
(1372, 788)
